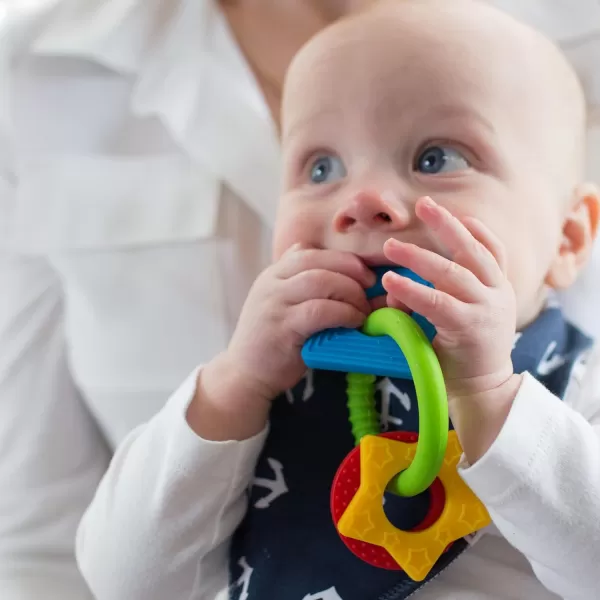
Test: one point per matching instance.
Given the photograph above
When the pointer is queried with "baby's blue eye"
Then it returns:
(440, 159)
(326, 169)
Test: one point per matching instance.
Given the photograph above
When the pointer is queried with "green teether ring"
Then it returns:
(431, 398)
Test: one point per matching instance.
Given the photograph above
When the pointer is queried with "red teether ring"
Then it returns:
(345, 485)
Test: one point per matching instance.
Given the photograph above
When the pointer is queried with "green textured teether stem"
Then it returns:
(431, 398)
(361, 405)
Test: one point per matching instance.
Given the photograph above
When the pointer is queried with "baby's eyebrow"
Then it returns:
(307, 118)
(458, 112)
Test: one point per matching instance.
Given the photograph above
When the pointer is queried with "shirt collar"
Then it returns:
(188, 72)
(117, 34)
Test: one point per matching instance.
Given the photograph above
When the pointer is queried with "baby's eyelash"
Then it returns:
(470, 154)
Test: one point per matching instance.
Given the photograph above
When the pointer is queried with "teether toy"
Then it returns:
(454, 510)
(351, 351)
(400, 462)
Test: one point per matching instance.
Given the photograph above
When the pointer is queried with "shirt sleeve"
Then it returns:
(52, 456)
(540, 481)
(160, 523)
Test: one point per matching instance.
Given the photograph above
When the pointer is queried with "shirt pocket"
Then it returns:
(67, 203)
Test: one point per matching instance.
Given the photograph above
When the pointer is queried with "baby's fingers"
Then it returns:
(441, 309)
(313, 316)
(298, 259)
(319, 284)
(487, 239)
(445, 275)
(464, 248)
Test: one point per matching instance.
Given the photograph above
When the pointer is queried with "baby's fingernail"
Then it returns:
(428, 201)
(391, 245)
(385, 277)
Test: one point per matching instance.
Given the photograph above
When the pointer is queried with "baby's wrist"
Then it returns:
(227, 405)
(479, 417)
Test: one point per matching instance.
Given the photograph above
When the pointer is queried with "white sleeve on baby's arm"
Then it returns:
(542, 489)
(160, 523)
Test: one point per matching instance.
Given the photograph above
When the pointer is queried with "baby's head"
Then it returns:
(452, 100)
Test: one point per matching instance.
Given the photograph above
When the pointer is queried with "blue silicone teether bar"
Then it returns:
(351, 351)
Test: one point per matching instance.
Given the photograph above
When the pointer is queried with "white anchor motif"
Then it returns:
(244, 580)
(330, 594)
(550, 361)
(580, 366)
(309, 388)
(276, 486)
(388, 392)
(518, 336)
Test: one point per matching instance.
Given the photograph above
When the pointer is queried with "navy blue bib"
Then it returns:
(287, 547)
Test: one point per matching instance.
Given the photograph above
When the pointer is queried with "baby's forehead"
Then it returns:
(353, 75)
(352, 65)
(405, 55)
(402, 43)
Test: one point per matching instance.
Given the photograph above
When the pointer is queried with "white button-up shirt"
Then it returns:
(139, 170)
(138, 185)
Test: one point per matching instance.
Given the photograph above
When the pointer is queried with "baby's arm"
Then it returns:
(540, 481)
(536, 460)
(161, 520)
(160, 523)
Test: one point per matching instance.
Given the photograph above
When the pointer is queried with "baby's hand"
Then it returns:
(304, 292)
(474, 311)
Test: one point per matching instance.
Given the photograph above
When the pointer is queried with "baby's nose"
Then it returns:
(372, 210)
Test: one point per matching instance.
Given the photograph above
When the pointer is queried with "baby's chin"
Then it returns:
(381, 302)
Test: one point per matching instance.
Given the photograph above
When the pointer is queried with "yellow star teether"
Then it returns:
(416, 552)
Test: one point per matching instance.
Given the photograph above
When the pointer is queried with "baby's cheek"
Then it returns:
(527, 273)
(303, 227)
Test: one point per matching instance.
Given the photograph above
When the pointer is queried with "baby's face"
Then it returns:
(399, 104)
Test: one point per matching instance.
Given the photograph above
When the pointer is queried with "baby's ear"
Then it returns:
(578, 235)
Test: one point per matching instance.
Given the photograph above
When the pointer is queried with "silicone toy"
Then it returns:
(429, 384)
(358, 511)
(346, 484)
(400, 462)
(351, 351)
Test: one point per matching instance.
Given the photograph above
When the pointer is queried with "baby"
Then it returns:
(447, 138)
